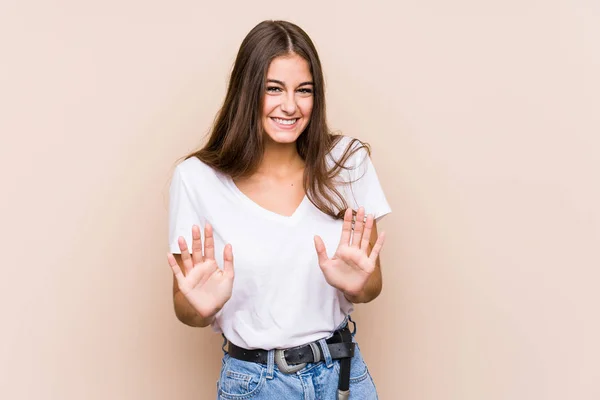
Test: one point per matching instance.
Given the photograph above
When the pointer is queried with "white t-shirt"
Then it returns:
(280, 297)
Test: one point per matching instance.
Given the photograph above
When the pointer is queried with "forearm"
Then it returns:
(370, 292)
(186, 313)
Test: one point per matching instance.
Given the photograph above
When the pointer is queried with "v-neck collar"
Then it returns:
(268, 213)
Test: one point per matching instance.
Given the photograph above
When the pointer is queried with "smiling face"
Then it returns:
(288, 100)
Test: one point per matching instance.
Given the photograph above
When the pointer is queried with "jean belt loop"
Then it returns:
(224, 344)
(353, 325)
(326, 353)
(270, 364)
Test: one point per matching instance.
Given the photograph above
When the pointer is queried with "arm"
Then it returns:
(375, 283)
(354, 268)
(183, 310)
(200, 288)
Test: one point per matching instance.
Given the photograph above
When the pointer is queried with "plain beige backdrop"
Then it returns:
(484, 121)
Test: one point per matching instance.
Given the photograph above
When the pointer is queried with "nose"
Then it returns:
(288, 103)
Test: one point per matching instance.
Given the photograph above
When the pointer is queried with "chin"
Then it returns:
(282, 137)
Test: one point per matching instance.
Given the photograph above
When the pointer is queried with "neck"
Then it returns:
(280, 159)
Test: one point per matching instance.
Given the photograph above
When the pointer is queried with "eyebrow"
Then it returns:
(283, 84)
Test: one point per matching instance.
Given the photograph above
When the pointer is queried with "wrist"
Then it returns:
(187, 314)
(355, 297)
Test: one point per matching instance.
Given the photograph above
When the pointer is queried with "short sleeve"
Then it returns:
(183, 211)
(364, 187)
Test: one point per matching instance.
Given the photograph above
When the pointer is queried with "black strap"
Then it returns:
(337, 351)
(345, 363)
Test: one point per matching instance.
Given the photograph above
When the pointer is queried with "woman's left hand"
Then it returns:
(351, 266)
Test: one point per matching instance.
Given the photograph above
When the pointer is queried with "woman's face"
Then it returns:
(288, 100)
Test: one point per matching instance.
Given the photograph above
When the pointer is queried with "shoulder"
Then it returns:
(194, 173)
(191, 168)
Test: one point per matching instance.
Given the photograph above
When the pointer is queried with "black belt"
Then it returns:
(291, 360)
(301, 354)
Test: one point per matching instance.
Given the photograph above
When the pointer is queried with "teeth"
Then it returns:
(285, 121)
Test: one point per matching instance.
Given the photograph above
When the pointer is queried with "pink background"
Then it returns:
(484, 121)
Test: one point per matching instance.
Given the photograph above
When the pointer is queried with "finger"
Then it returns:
(346, 228)
(209, 242)
(366, 237)
(377, 247)
(185, 255)
(321, 250)
(196, 245)
(175, 267)
(359, 223)
(228, 260)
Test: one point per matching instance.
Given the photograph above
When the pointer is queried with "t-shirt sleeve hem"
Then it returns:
(174, 249)
(381, 214)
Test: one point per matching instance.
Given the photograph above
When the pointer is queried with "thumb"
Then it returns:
(321, 250)
(228, 260)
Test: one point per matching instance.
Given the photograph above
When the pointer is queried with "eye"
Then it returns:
(305, 90)
(273, 89)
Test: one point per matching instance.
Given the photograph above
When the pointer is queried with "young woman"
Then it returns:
(297, 206)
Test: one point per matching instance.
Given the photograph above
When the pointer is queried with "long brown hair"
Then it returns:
(235, 146)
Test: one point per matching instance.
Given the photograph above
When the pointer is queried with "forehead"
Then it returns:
(289, 68)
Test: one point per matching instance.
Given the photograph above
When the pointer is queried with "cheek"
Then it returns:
(306, 107)
(269, 103)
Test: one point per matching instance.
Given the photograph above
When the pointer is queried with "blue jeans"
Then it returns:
(240, 380)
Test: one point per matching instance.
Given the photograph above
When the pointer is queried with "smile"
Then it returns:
(285, 121)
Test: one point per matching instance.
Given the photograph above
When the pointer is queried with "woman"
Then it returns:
(274, 187)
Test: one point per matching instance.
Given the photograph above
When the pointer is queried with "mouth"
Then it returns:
(284, 123)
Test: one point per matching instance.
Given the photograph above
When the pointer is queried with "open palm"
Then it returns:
(205, 286)
(351, 266)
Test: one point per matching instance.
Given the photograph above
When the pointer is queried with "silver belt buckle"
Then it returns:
(284, 366)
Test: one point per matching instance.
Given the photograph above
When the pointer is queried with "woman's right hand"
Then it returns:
(205, 286)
